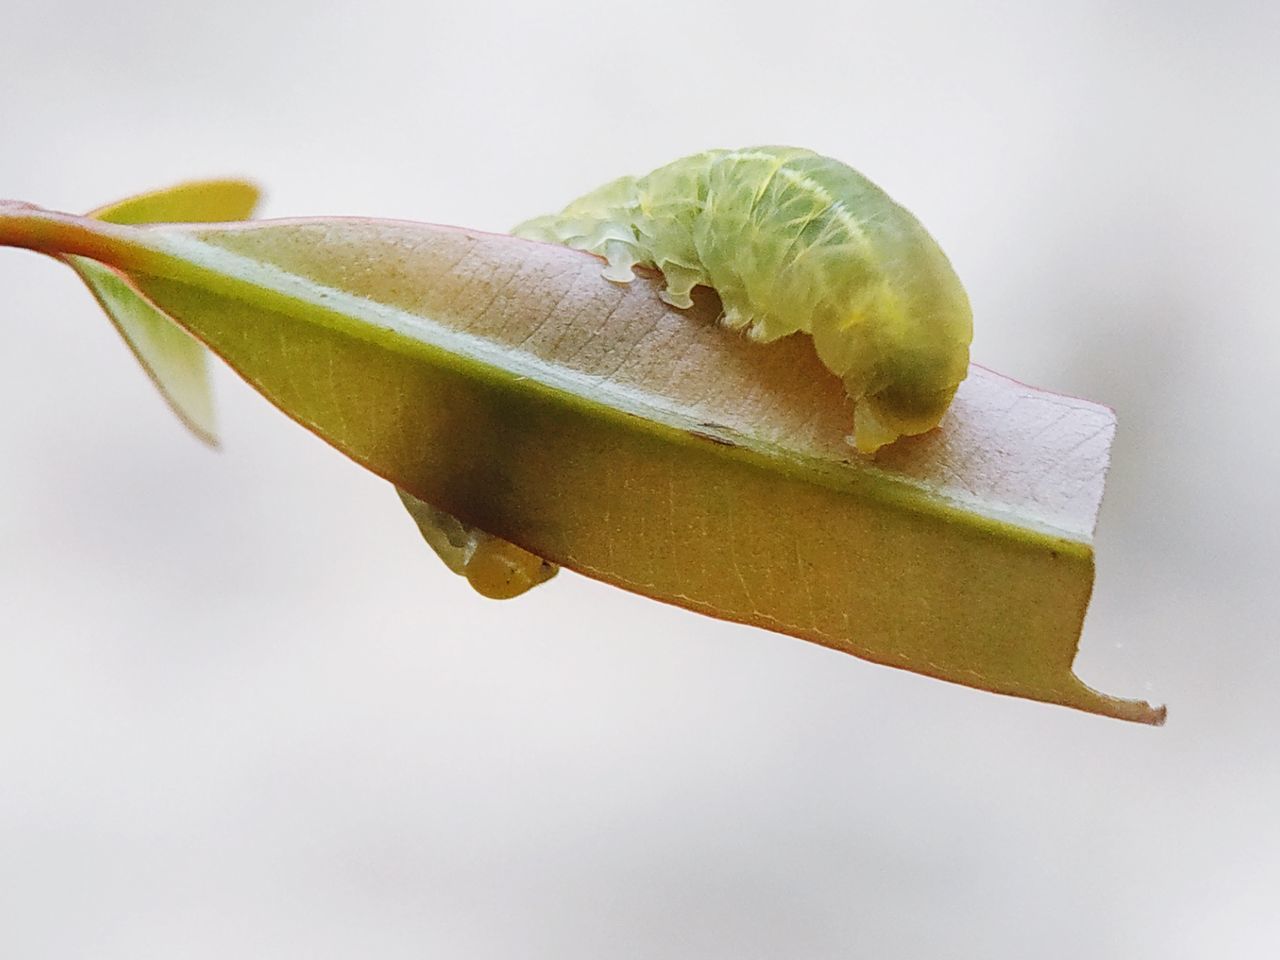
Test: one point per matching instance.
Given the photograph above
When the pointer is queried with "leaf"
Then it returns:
(505, 382)
(177, 364)
(175, 361)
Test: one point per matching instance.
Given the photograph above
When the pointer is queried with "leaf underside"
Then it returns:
(505, 382)
(178, 365)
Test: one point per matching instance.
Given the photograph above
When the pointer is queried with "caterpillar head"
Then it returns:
(918, 387)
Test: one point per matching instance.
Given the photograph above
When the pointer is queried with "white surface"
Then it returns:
(243, 712)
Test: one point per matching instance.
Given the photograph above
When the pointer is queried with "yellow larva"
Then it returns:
(794, 242)
(495, 568)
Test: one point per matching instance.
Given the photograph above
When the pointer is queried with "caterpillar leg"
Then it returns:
(870, 431)
(680, 283)
(621, 257)
(756, 328)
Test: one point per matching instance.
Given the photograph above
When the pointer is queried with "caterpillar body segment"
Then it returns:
(794, 242)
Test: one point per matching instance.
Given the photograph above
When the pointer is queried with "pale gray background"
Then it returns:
(244, 712)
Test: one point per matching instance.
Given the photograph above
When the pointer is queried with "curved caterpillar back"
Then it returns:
(794, 242)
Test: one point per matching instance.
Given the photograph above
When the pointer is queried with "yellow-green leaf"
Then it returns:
(505, 382)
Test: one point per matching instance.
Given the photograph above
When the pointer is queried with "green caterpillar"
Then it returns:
(794, 242)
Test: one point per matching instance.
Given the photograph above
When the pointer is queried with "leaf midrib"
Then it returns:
(363, 318)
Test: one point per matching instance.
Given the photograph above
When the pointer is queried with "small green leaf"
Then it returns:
(505, 382)
(174, 360)
(195, 201)
(178, 365)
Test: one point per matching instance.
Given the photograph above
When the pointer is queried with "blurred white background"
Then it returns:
(245, 713)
